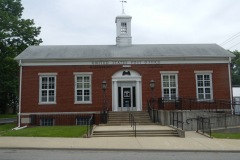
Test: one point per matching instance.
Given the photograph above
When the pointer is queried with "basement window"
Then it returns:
(46, 122)
(82, 121)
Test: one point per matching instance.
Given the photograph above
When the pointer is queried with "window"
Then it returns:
(46, 122)
(47, 88)
(169, 85)
(124, 28)
(83, 89)
(204, 86)
(82, 121)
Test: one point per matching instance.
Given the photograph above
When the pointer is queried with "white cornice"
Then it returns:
(126, 61)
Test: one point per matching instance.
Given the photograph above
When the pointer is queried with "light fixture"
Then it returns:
(104, 85)
(152, 84)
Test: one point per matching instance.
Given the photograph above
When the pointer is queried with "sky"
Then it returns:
(92, 22)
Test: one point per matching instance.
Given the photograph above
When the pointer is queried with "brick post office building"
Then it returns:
(68, 79)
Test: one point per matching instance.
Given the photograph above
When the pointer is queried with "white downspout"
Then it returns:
(230, 82)
(20, 95)
(20, 99)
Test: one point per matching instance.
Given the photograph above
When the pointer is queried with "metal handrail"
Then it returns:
(90, 126)
(186, 103)
(104, 116)
(133, 123)
(204, 126)
(153, 113)
(174, 119)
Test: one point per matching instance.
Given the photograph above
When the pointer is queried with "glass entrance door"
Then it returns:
(127, 99)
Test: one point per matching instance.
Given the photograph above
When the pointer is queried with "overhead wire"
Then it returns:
(230, 39)
(234, 45)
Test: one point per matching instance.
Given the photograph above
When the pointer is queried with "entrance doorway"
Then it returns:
(127, 98)
(126, 91)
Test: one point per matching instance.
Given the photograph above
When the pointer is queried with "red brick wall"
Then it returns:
(65, 84)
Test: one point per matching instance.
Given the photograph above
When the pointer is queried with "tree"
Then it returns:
(236, 68)
(16, 34)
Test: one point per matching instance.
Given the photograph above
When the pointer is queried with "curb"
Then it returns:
(120, 149)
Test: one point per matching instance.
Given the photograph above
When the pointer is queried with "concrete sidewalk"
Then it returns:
(192, 142)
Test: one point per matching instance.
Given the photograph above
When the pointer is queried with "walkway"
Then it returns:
(192, 142)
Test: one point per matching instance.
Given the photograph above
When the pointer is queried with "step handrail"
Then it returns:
(133, 123)
(90, 126)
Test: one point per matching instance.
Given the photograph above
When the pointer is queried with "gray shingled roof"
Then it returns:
(113, 51)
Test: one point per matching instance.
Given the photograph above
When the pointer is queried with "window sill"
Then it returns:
(83, 102)
(47, 103)
(205, 100)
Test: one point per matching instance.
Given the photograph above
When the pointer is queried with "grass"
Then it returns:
(8, 116)
(6, 127)
(226, 135)
(40, 131)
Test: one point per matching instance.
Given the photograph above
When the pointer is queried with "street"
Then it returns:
(7, 120)
(20, 154)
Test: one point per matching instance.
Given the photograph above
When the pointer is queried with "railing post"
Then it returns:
(87, 129)
(210, 129)
(177, 119)
(135, 130)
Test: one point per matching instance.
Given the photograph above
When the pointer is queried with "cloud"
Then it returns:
(154, 21)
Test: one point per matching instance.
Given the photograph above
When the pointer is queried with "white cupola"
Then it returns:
(123, 25)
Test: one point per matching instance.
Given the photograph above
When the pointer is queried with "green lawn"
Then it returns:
(8, 116)
(6, 127)
(226, 135)
(51, 131)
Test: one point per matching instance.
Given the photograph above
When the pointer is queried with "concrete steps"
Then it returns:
(122, 118)
(118, 126)
(139, 133)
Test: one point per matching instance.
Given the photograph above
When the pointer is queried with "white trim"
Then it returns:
(46, 103)
(88, 102)
(127, 66)
(40, 89)
(211, 85)
(90, 63)
(82, 73)
(47, 74)
(127, 61)
(20, 95)
(169, 72)
(204, 72)
(135, 78)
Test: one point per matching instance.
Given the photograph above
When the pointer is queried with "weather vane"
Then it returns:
(123, 6)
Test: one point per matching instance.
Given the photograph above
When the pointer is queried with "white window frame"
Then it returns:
(82, 74)
(47, 75)
(209, 73)
(169, 73)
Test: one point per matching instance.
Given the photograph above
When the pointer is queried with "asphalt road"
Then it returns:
(16, 154)
(7, 120)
